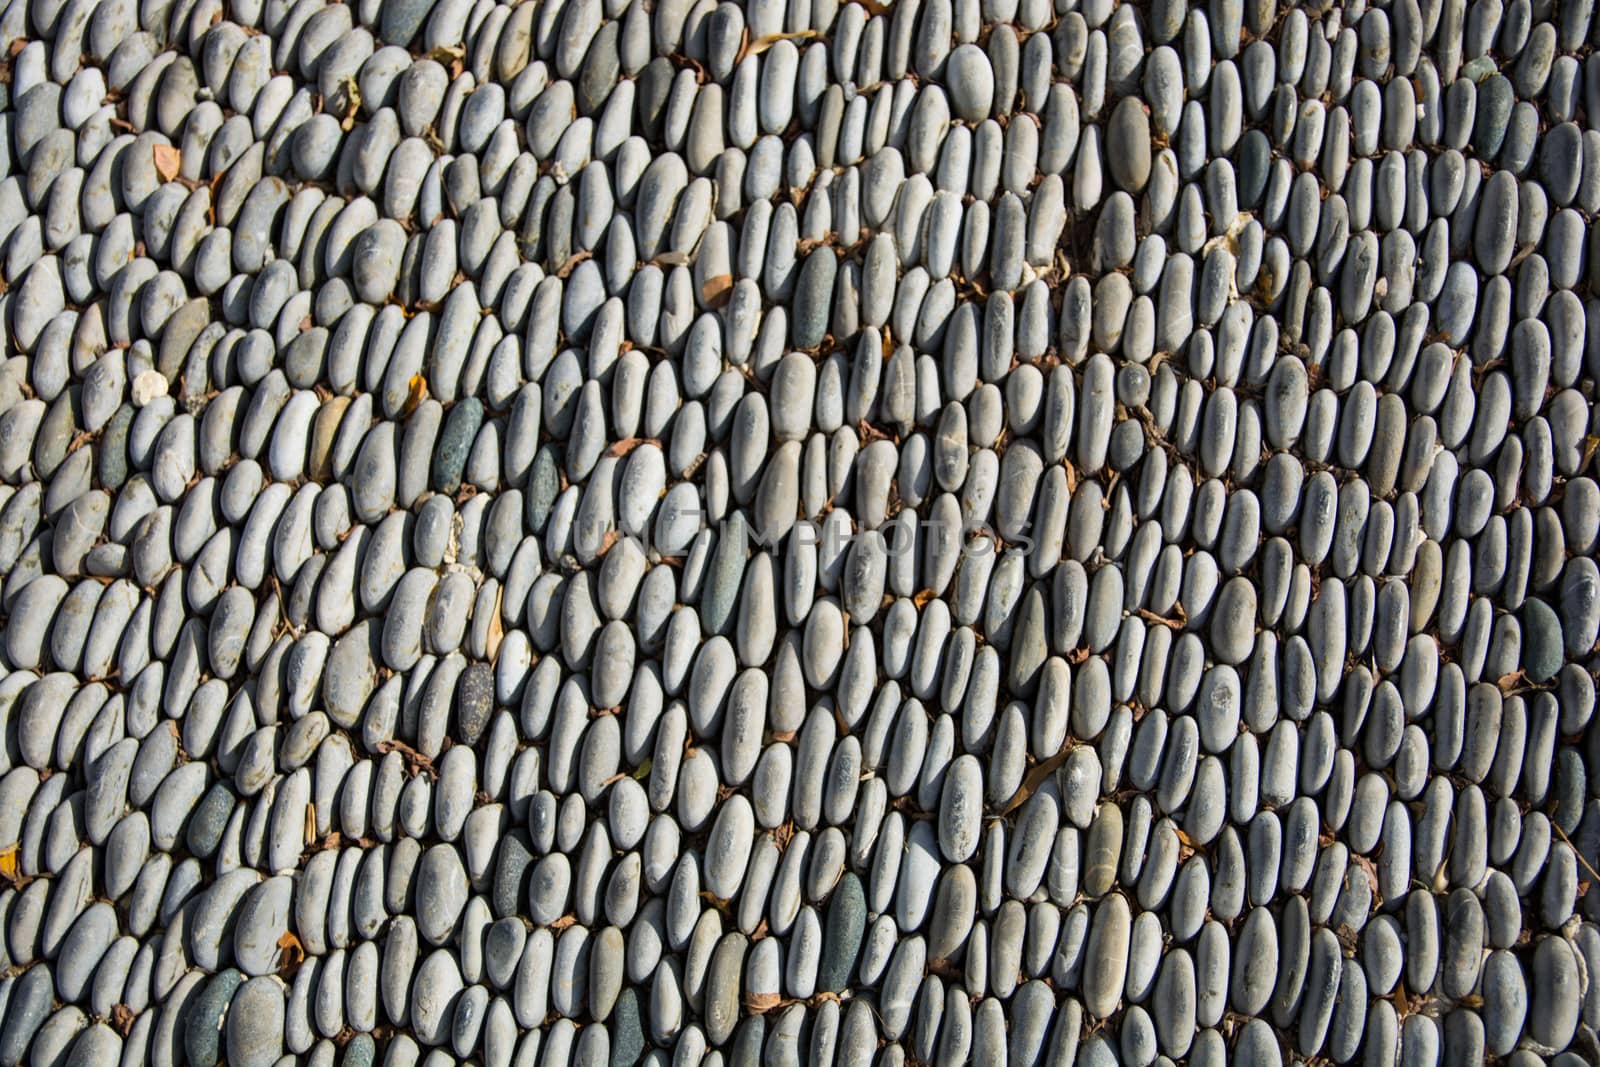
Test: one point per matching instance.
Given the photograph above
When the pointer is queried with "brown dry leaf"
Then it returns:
(1036, 777)
(8, 862)
(628, 444)
(717, 290)
(168, 161)
(293, 952)
(1590, 443)
(606, 542)
(122, 1017)
(311, 824)
(416, 393)
(1506, 683)
(564, 922)
(497, 629)
(761, 44)
(452, 57)
(17, 46)
(415, 761)
(761, 1003)
(923, 598)
(1584, 886)
(572, 263)
(869, 432)
(1367, 867)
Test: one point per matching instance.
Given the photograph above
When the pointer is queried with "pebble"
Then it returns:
(619, 533)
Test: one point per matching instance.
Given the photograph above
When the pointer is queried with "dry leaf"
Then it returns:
(416, 393)
(122, 1018)
(1036, 777)
(415, 760)
(451, 57)
(8, 862)
(869, 432)
(293, 952)
(311, 824)
(628, 444)
(352, 103)
(761, 44)
(760, 1003)
(564, 922)
(717, 290)
(1160, 620)
(497, 629)
(1584, 886)
(168, 161)
(1506, 683)
(572, 263)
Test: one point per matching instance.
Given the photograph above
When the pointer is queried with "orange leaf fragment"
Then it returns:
(416, 393)
(628, 444)
(717, 290)
(572, 263)
(168, 161)
(760, 1003)
(293, 952)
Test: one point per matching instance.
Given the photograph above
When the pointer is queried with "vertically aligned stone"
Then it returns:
(617, 532)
